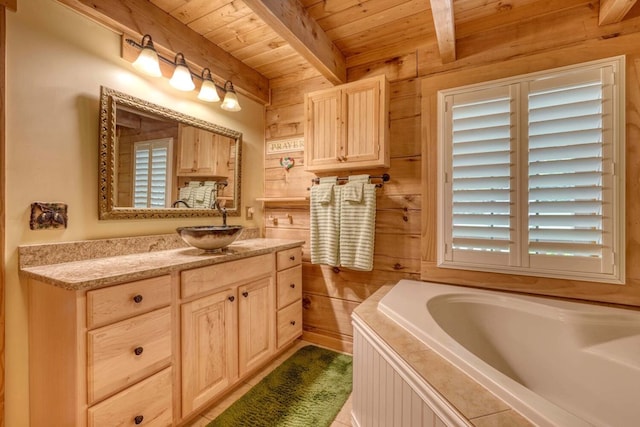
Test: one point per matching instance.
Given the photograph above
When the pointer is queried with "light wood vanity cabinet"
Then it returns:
(101, 357)
(347, 127)
(202, 153)
(154, 352)
(289, 295)
(228, 329)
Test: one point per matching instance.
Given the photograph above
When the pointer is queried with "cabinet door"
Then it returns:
(187, 150)
(361, 115)
(213, 159)
(209, 347)
(256, 323)
(323, 129)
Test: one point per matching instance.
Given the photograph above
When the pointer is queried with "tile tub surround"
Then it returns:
(103, 271)
(470, 399)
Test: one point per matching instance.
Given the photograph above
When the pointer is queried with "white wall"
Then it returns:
(56, 62)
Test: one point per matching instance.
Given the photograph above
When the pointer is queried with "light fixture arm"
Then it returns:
(174, 63)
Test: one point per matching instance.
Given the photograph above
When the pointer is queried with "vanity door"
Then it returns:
(209, 347)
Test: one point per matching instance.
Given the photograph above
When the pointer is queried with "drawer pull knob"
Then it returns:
(137, 299)
(138, 351)
(292, 286)
(292, 258)
(138, 419)
(293, 323)
(245, 294)
(232, 298)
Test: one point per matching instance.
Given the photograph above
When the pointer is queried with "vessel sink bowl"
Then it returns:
(211, 238)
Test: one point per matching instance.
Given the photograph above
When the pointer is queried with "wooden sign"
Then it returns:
(285, 145)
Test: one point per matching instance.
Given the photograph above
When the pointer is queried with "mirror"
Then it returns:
(158, 163)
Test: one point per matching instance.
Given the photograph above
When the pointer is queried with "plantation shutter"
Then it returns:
(532, 178)
(152, 173)
(570, 171)
(479, 183)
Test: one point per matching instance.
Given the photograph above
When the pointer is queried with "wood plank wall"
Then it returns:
(3, 80)
(331, 294)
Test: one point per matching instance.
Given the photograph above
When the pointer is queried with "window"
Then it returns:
(152, 173)
(532, 178)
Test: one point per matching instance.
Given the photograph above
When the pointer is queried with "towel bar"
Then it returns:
(384, 177)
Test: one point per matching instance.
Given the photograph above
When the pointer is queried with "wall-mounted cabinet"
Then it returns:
(347, 127)
(202, 153)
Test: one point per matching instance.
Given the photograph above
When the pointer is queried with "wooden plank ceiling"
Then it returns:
(310, 38)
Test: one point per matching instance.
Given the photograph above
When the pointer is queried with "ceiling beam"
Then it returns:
(442, 11)
(290, 20)
(612, 11)
(141, 17)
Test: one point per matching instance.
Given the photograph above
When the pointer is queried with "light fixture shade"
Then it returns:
(208, 91)
(181, 78)
(147, 61)
(230, 102)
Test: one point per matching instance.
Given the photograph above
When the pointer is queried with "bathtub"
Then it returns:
(557, 363)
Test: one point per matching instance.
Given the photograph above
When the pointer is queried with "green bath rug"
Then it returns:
(308, 389)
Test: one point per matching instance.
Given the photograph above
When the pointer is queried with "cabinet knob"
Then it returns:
(137, 299)
(245, 294)
(293, 323)
(138, 351)
(292, 286)
(232, 298)
(138, 419)
(292, 258)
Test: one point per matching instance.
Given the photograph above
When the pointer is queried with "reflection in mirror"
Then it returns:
(158, 163)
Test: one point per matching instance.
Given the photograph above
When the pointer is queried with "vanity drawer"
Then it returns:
(108, 305)
(289, 323)
(147, 403)
(289, 286)
(123, 353)
(289, 258)
(205, 279)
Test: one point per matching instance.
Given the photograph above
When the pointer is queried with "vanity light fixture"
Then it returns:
(230, 102)
(147, 61)
(208, 90)
(182, 79)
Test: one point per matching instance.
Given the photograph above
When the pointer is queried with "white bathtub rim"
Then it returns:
(440, 406)
(521, 399)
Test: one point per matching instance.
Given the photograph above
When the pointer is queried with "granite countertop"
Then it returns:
(105, 271)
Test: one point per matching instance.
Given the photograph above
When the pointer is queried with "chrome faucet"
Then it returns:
(223, 212)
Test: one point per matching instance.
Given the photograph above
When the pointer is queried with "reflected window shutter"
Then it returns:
(159, 164)
(480, 179)
(569, 171)
(141, 170)
(151, 173)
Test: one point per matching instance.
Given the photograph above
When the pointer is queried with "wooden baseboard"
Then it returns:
(342, 343)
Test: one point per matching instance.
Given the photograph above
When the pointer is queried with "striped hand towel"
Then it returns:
(358, 224)
(325, 222)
